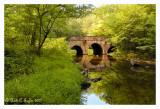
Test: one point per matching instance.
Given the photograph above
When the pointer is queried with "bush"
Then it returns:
(18, 60)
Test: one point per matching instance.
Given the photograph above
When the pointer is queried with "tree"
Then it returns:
(36, 21)
(131, 28)
(74, 27)
(26, 29)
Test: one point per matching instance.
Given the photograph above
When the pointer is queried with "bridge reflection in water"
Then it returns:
(94, 63)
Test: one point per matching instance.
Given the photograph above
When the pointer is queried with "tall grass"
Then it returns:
(56, 80)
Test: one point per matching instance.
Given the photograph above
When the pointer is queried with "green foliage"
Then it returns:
(34, 23)
(73, 52)
(90, 52)
(17, 61)
(56, 80)
(56, 46)
(131, 28)
(90, 25)
(18, 54)
(27, 28)
(74, 27)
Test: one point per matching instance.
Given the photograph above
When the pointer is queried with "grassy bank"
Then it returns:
(56, 80)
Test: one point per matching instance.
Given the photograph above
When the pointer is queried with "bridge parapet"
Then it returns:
(88, 38)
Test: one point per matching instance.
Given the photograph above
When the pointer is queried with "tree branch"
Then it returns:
(49, 30)
(55, 19)
(52, 16)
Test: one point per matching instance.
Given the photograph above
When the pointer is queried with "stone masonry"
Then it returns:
(99, 45)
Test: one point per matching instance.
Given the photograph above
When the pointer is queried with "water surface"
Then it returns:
(121, 82)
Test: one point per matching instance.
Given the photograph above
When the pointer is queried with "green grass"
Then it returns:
(56, 80)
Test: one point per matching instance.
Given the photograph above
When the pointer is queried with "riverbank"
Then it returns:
(142, 60)
(56, 80)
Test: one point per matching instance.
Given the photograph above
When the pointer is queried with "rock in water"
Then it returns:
(96, 79)
(85, 85)
(135, 62)
(146, 66)
(84, 72)
(134, 68)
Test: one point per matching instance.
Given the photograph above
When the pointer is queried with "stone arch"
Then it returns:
(78, 49)
(97, 48)
(86, 41)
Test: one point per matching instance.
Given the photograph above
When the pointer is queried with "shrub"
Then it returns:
(18, 60)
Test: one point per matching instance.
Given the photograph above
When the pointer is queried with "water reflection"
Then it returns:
(121, 83)
(93, 63)
(93, 99)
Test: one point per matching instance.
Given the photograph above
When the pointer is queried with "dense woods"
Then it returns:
(36, 45)
(131, 28)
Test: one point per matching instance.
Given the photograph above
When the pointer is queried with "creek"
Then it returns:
(113, 80)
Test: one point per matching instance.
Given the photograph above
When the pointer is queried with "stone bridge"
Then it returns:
(83, 43)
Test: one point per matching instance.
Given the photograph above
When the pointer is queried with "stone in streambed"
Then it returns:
(135, 62)
(96, 79)
(84, 72)
(85, 85)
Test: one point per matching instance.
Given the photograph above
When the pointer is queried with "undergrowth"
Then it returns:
(56, 80)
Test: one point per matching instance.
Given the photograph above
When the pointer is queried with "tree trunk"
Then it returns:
(33, 39)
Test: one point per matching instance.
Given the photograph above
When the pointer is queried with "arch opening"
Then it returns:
(111, 49)
(97, 49)
(78, 50)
